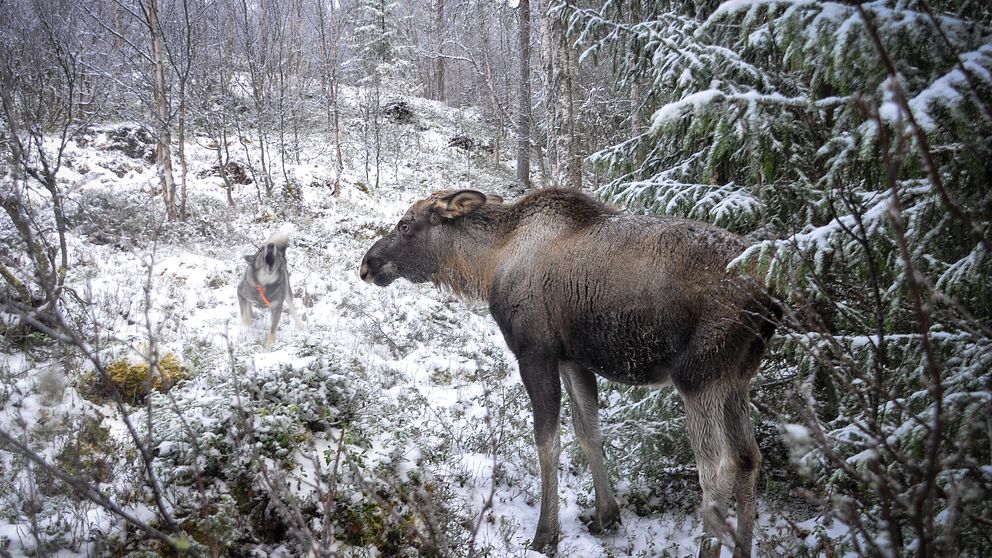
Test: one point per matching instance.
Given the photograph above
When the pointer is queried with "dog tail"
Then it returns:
(279, 239)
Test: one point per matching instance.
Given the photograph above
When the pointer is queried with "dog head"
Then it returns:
(269, 261)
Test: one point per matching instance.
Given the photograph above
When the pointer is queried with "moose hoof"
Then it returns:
(609, 518)
(545, 542)
(603, 520)
(604, 525)
(599, 524)
(709, 547)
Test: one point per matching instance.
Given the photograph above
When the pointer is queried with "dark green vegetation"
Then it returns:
(853, 145)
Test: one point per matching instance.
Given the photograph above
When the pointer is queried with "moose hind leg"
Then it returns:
(717, 468)
(740, 438)
(580, 384)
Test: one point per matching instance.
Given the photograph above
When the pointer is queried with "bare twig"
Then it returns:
(921, 137)
(85, 489)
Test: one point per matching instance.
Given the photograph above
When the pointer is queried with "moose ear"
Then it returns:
(250, 259)
(459, 203)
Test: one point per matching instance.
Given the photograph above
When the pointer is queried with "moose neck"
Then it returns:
(469, 261)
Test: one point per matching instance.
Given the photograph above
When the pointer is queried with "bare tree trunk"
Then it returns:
(182, 152)
(523, 111)
(376, 107)
(339, 160)
(636, 89)
(636, 120)
(118, 25)
(561, 93)
(163, 148)
(329, 85)
(551, 107)
(183, 105)
(542, 168)
(573, 161)
(256, 58)
(222, 165)
(438, 59)
(283, 79)
(221, 122)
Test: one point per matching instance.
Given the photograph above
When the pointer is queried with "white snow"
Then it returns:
(447, 399)
(673, 111)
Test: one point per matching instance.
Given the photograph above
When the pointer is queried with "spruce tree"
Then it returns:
(852, 144)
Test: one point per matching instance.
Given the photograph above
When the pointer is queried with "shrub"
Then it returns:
(134, 381)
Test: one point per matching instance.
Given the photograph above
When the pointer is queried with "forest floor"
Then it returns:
(435, 392)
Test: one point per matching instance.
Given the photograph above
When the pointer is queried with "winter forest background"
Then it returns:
(148, 144)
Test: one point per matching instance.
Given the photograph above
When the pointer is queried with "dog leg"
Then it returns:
(245, 307)
(276, 313)
(291, 308)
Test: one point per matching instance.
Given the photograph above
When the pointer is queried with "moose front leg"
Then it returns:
(540, 377)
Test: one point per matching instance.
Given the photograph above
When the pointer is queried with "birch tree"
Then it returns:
(163, 113)
(329, 26)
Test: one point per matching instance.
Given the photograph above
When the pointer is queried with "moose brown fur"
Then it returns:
(579, 289)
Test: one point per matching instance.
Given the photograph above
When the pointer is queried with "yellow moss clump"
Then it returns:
(132, 381)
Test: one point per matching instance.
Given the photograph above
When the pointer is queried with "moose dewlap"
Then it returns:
(579, 289)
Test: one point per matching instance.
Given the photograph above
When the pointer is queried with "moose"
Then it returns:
(580, 289)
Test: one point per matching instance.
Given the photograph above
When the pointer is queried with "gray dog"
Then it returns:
(266, 284)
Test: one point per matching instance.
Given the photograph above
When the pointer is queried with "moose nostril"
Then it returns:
(363, 271)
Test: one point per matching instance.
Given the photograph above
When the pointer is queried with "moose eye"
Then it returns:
(405, 228)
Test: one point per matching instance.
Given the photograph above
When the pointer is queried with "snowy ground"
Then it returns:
(439, 388)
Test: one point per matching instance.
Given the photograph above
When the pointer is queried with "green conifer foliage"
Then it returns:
(853, 145)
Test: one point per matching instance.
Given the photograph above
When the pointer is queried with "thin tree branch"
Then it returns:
(85, 489)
